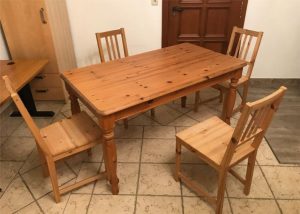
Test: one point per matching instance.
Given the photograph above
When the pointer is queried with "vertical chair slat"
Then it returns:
(117, 45)
(247, 49)
(113, 47)
(108, 48)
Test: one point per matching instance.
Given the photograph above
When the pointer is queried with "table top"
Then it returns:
(113, 86)
(20, 73)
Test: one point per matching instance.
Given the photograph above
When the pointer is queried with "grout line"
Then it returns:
(23, 180)
(94, 186)
(230, 205)
(182, 202)
(274, 198)
(139, 172)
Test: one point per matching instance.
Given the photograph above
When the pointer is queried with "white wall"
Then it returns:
(279, 55)
(141, 20)
(3, 51)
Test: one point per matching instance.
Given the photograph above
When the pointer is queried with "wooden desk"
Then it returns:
(21, 73)
(125, 87)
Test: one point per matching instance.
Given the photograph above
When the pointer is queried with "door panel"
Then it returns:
(207, 23)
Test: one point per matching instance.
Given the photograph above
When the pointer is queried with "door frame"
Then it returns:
(165, 7)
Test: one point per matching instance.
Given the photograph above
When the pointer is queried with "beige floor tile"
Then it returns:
(54, 106)
(131, 132)
(257, 206)
(177, 106)
(87, 170)
(17, 148)
(158, 204)
(259, 186)
(159, 132)
(128, 150)
(128, 176)
(77, 204)
(183, 121)
(31, 162)
(189, 157)
(3, 140)
(75, 161)
(112, 204)
(284, 181)
(142, 120)
(203, 175)
(289, 206)
(180, 128)
(30, 209)
(159, 150)
(195, 205)
(49, 206)
(15, 197)
(203, 113)
(23, 130)
(8, 171)
(165, 115)
(158, 179)
(9, 125)
(39, 185)
(97, 154)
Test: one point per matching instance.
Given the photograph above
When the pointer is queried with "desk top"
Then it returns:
(113, 86)
(20, 73)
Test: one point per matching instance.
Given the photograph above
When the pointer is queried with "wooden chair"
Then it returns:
(114, 52)
(60, 140)
(222, 147)
(244, 39)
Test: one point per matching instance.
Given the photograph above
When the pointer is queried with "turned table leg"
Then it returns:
(75, 108)
(107, 124)
(228, 105)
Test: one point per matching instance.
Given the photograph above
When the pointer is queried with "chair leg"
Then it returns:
(244, 96)
(197, 100)
(221, 192)
(53, 177)
(221, 96)
(178, 160)
(89, 152)
(43, 161)
(249, 173)
(152, 111)
(183, 102)
(125, 123)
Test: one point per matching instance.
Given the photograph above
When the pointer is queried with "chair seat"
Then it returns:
(226, 84)
(72, 133)
(209, 139)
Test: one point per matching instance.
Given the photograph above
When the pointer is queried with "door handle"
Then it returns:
(42, 16)
(177, 9)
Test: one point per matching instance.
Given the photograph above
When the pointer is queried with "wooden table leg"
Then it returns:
(183, 102)
(75, 107)
(109, 151)
(228, 105)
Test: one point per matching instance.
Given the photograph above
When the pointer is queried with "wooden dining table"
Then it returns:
(125, 87)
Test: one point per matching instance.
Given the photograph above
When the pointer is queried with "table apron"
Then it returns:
(173, 96)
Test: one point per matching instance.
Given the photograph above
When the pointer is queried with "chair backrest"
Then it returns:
(244, 46)
(253, 124)
(25, 114)
(113, 47)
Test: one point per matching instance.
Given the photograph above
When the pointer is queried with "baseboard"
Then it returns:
(274, 83)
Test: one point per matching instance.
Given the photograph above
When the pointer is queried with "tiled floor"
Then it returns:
(145, 168)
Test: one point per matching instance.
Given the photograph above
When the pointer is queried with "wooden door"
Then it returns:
(27, 31)
(207, 23)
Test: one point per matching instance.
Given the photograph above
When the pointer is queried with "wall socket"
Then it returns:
(154, 2)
